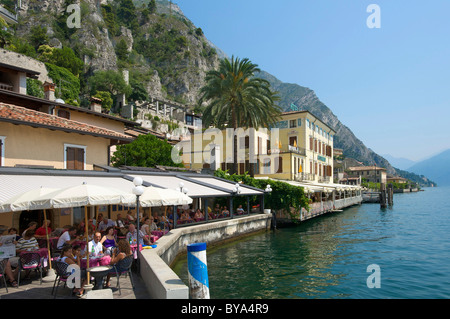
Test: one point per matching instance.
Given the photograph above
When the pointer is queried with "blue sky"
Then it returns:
(390, 86)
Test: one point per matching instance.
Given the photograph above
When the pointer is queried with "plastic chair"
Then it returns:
(30, 261)
(61, 274)
(125, 266)
(2, 272)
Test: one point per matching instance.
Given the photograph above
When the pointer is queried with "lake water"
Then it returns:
(328, 257)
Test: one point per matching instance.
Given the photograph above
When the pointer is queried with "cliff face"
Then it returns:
(167, 54)
(184, 54)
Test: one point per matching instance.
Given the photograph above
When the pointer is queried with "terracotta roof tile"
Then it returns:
(21, 115)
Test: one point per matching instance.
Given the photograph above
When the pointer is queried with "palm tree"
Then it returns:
(235, 98)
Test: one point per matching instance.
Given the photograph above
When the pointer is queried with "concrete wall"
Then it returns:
(161, 280)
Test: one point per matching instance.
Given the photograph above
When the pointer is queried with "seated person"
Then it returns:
(69, 258)
(132, 236)
(105, 223)
(31, 226)
(41, 232)
(68, 237)
(122, 251)
(217, 211)
(198, 215)
(95, 247)
(10, 274)
(163, 222)
(109, 240)
(225, 212)
(240, 210)
(185, 217)
(27, 243)
(13, 231)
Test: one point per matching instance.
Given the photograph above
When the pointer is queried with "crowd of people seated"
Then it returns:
(104, 234)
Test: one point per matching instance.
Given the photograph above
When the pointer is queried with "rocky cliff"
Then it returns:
(184, 55)
(164, 52)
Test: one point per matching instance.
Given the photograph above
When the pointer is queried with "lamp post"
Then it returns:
(184, 190)
(138, 190)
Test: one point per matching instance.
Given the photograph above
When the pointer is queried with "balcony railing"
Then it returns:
(304, 177)
(288, 149)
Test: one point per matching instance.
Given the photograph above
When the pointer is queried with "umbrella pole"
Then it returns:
(87, 242)
(48, 239)
(50, 273)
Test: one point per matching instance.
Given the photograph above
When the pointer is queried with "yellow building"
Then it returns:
(299, 148)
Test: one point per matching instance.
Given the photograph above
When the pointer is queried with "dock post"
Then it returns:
(390, 195)
(383, 195)
(198, 271)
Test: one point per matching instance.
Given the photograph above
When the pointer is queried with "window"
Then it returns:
(292, 123)
(64, 114)
(2, 150)
(189, 120)
(293, 141)
(74, 157)
(280, 165)
(307, 123)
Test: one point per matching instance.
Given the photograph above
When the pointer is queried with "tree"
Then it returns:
(110, 81)
(145, 151)
(38, 36)
(138, 93)
(122, 50)
(127, 13)
(106, 98)
(66, 58)
(5, 35)
(235, 98)
(152, 6)
(67, 84)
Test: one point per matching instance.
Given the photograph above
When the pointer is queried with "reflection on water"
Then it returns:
(327, 257)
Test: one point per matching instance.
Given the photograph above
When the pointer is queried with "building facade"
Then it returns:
(299, 147)
(372, 174)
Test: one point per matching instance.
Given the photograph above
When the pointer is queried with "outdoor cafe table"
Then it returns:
(102, 260)
(99, 272)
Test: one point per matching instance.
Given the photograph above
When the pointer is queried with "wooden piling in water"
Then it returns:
(383, 195)
(390, 194)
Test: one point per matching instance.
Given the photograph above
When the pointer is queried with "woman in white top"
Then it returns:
(67, 257)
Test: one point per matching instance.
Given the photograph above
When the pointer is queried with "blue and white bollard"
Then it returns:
(198, 271)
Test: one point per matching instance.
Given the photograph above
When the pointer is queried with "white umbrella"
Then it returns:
(154, 196)
(24, 201)
(83, 195)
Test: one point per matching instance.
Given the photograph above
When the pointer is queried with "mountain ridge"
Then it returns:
(435, 168)
(180, 73)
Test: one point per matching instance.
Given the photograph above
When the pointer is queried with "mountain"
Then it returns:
(400, 162)
(165, 54)
(436, 168)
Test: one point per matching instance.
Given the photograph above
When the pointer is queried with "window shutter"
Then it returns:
(70, 158)
(79, 159)
(311, 143)
(74, 158)
(280, 165)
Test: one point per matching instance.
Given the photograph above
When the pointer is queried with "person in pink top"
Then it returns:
(41, 233)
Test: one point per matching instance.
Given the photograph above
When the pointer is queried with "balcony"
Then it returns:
(300, 177)
(288, 149)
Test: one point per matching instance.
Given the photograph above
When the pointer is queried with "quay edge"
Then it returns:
(161, 281)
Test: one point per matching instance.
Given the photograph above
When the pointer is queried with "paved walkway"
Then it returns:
(32, 289)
